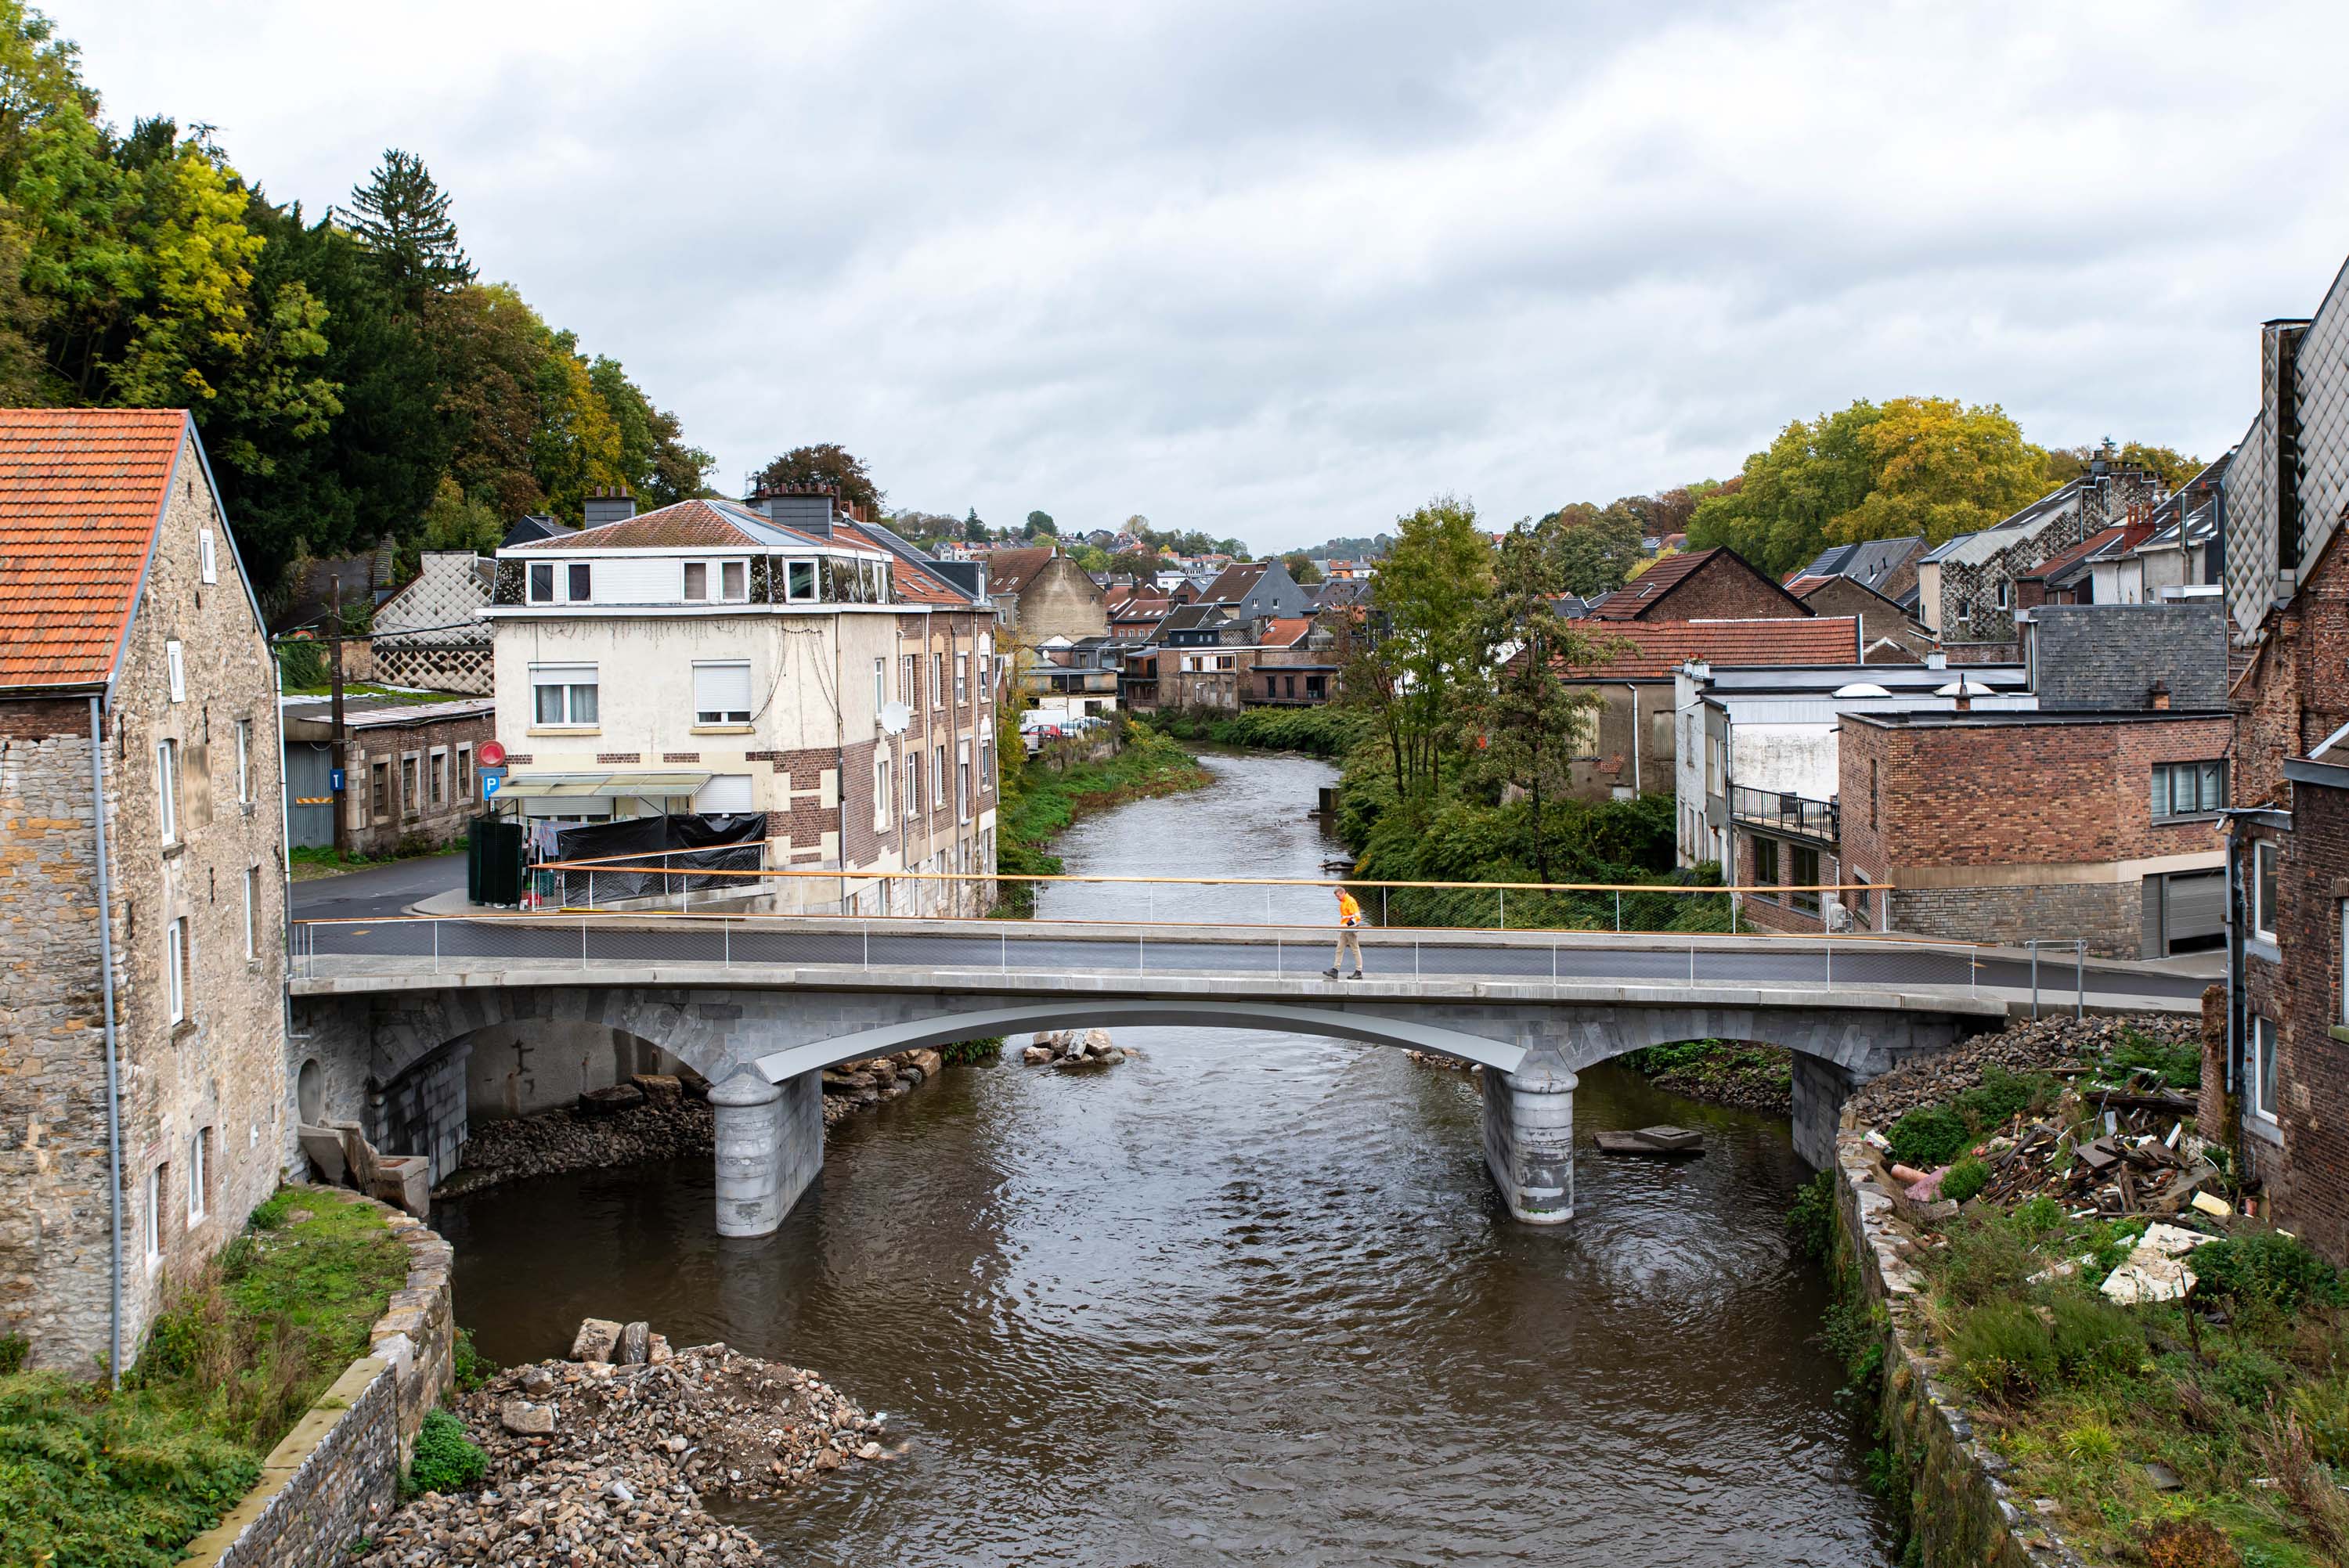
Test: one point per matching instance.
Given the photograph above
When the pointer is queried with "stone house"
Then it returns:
(1966, 586)
(1296, 662)
(149, 979)
(1040, 594)
(1716, 584)
(409, 765)
(714, 657)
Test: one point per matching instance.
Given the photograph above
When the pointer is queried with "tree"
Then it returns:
(1590, 552)
(1091, 557)
(1301, 569)
(1531, 720)
(973, 529)
(2066, 464)
(653, 459)
(827, 464)
(402, 216)
(1428, 600)
(1039, 522)
(1141, 564)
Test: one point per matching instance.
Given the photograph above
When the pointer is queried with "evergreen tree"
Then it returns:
(401, 215)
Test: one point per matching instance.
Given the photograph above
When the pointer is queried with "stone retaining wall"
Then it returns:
(1961, 1513)
(337, 1474)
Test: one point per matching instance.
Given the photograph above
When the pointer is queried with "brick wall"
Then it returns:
(1777, 913)
(2296, 692)
(419, 821)
(2308, 1175)
(1725, 589)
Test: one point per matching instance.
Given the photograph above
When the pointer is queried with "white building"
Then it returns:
(717, 658)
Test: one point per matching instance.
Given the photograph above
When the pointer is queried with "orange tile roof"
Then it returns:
(1287, 631)
(1659, 647)
(691, 523)
(81, 490)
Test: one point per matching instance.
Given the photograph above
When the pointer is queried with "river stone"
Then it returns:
(635, 1345)
(537, 1382)
(662, 1087)
(524, 1419)
(611, 1101)
(595, 1339)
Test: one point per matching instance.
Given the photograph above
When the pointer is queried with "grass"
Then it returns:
(1050, 790)
(311, 862)
(90, 1478)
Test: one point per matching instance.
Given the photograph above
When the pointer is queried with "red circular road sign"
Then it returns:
(493, 755)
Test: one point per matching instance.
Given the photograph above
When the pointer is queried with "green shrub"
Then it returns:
(14, 1348)
(1811, 1217)
(2095, 1341)
(1930, 1136)
(468, 1366)
(2266, 1268)
(1986, 1258)
(2041, 1216)
(2322, 1407)
(2246, 1378)
(2178, 1066)
(1966, 1178)
(985, 1048)
(2004, 1353)
(447, 1459)
(2001, 1096)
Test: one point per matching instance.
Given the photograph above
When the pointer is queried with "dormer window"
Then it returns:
(734, 581)
(730, 579)
(800, 582)
(542, 582)
(580, 586)
(697, 580)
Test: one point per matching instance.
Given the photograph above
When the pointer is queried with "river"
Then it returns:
(1249, 1298)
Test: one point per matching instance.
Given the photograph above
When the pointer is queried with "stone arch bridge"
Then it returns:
(383, 1046)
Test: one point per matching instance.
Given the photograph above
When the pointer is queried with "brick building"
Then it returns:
(716, 658)
(1716, 584)
(126, 614)
(410, 762)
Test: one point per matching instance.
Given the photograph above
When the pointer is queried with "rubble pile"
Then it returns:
(653, 1116)
(2108, 1164)
(2041, 1045)
(606, 1457)
(855, 1086)
(1438, 1059)
(1075, 1049)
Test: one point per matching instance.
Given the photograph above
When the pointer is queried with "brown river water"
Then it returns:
(1250, 1298)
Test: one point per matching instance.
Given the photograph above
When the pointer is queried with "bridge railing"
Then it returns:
(888, 948)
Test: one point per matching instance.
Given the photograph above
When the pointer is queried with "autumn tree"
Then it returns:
(1301, 569)
(1421, 657)
(828, 464)
(2066, 464)
(1592, 551)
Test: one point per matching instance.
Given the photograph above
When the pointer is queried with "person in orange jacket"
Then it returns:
(1350, 935)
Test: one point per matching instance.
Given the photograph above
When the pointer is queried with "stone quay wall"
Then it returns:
(335, 1476)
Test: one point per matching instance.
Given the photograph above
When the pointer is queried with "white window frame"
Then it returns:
(685, 570)
(709, 717)
(151, 1222)
(880, 686)
(569, 685)
(938, 782)
(251, 913)
(937, 680)
(530, 569)
(909, 675)
(244, 761)
(175, 970)
(166, 789)
(571, 570)
(740, 570)
(207, 556)
(2264, 863)
(410, 775)
(986, 764)
(196, 1161)
(176, 666)
(913, 782)
(791, 596)
(963, 797)
(962, 680)
(2263, 1068)
(884, 793)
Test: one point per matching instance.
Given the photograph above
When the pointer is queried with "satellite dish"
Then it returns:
(895, 717)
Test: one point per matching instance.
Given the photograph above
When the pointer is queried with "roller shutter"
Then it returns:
(2194, 909)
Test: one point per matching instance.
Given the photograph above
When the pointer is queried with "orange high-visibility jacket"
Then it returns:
(1348, 912)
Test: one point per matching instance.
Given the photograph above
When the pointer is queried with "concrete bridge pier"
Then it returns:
(1529, 1136)
(1820, 1088)
(769, 1141)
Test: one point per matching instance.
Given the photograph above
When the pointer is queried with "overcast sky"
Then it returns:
(1284, 271)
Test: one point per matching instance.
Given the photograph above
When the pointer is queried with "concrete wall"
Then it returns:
(217, 1074)
(1618, 753)
(1820, 1088)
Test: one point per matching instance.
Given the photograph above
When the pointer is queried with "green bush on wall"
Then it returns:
(446, 1459)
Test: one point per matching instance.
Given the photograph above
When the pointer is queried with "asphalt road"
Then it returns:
(378, 890)
(1717, 961)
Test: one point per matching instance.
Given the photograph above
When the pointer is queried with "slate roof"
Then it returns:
(1973, 549)
(2106, 657)
(1660, 647)
(82, 493)
(1231, 584)
(1870, 561)
(2067, 565)
(687, 525)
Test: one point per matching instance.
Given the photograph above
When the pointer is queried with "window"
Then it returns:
(407, 791)
(880, 685)
(2188, 789)
(380, 789)
(2005, 593)
(962, 679)
(579, 589)
(150, 1224)
(697, 580)
(167, 787)
(2343, 970)
(2264, 890)
(913, 783)
(1226, 661)
(1875, 793)
(1766, 863)
(175, 967)
(563, 693)
(962, 781)
(1806, 875)
(800, 582)
(2263, 1068)
(909, 680)
(937, 680)
(197, 1153)
(986, 762)
(938, 782)
(244, 761)
(465, 773)
(542, 582)
(1863, 908)
(207, 556)
(178, 669)
(436, 777)
(721, 693)
(251, 913)
(883, 795)
(734, 581)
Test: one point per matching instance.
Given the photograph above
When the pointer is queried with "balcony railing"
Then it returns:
(1781, 812)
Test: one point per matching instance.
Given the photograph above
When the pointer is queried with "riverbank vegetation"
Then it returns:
(94, 1476)
(2169, 1385)
(1741, 1074)
(1041, 795)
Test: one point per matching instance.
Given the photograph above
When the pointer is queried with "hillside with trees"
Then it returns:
(351, 373)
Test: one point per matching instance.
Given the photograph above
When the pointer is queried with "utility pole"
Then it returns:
(342, 776)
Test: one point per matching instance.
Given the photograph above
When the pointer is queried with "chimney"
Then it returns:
(613, 505)
(803, 508)
(2159, 697)
(1964, 704)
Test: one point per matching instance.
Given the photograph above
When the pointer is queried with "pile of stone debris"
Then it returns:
(855, 1086)
(1075, 1049)
(2041, 1045)
(606, 1457)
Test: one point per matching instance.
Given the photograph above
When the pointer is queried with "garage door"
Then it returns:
(2194, 909)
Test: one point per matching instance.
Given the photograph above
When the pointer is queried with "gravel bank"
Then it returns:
(592, 1464)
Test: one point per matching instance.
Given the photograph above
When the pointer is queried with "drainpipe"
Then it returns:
(113, 1077)
(1632, 687)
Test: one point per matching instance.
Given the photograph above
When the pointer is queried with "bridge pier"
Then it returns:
(1529, 1136)
(1820, 1088)
(769, 1141)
